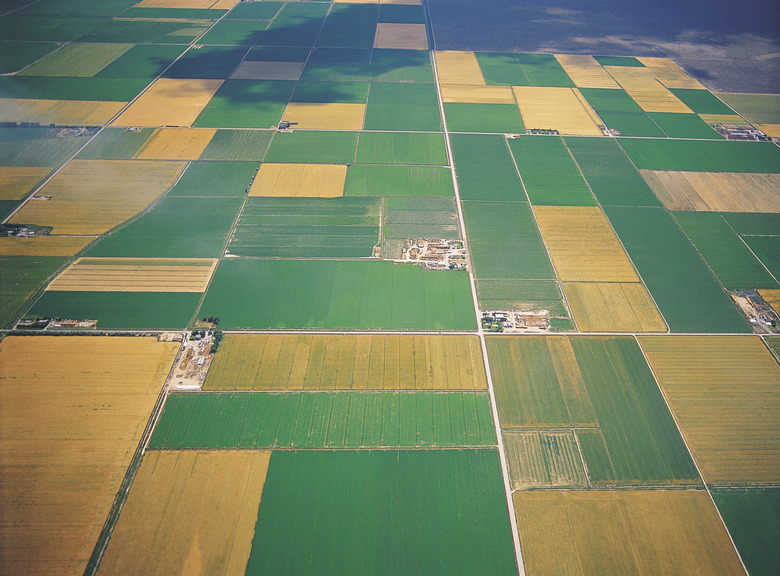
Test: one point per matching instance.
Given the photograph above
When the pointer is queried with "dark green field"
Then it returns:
(752, 516)
(405, 14)
(142, 61)
(619, 61)
(255, 10)
(235, 32)
(20, 278)
(307, 228)
(400, 65)
(685, 291)
(383, 512)
(702, 156)
(17, 55)
(331, 92)
(74, 7)
(120, 310)
(215, 179)
(61, 88)
(145, 32)
(401, 148)
(619, 111)
(297, 24)
(485, 169)
(499, 118)
(384, 180)
(238, 145)
(610, 174)
(684, 126)
(549, 175)
(347, 294)
(753, 224)
(260, 420)
(116, 144)
(701, 101)
(767, 249)
(402, 106)
(247, 104)
(339, 65)
(505, 242)
(501, 69)
(726, 254)
(318, 147)
(47, 29)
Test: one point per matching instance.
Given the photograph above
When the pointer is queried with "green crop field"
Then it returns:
(250, 145)
(752, 516)
(410, 218)
(520, 252)
(629, 61)
(17, 55)
(500, 118)
(702, 101)
(120, 310)
(685, 291)
(609, 173)
(318, 147)
(62, 88)
(401, 148)
(402, 106)
(732, 262)
(383, 512)
(6, 207)
(275, 53)
(514, 294)
(75, 7)
(215, 179)
(20, 278)
(255, 10)
(339, 65)
(619, 111)
(235, 32)
(684, 126)
(258, 420)
(31, 147)
(247, 104)
(405, 14)
(349, 26)
(702, 156)
(753, 224)
(116, 144)
(767, 249)
(549, 174)
(77, 59)
(501, 69)
(142, 61)
(173, 13)
(485, 169)
(331, 92)
(757, 108)
(177, 227)
(384, 180)
(347, 294)
(389, 65)
(297, 24)
(146, 32)
(307, 228)
(593, 381)
(543, 70)
(47, 29)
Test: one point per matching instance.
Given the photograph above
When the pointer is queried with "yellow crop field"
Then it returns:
(177, 144)
(401, 36)
(715, 191)
(613, 307)
(725, 394)
(643, 86)
(772, 130)
(93, 196)
(15, 182)
(659, 532)
(585, 71)
(458, 68)
(189, 512)
(60, 112)
(73, 411)
(543, 459)
(136, 275)
(170, 102)
(249, 70)
(300, 180)
(561, 109)
(670, 74)
(196, 4)
(77, 59)
(43, 245)
(772, 297)
(723, 119)
(407, 2)
(326, 116)
(360, 362)
(583, 246)
(477, 94)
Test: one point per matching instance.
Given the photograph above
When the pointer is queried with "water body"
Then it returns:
(728, 46)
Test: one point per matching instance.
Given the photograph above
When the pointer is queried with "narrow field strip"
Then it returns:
(58, 112)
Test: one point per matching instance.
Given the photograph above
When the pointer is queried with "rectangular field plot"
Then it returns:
(499, 118)
(751, 516)
(411, 107)
(317, 147)
(148, 31)
(543, 459)
(142, 61)
(93, 196)
(766, 249)
(17, 181)
(176, 144)
(661, 532)
(521, 253)
(384, 180)
(411, 218)
(401, 36)
(188, 507)
(369, 512)
(601, 388)
(76, 59)
(307, 228)
(116, 144)
(723, 391)
(583, 246)
(170, 102)
(214, 180)
(25, 272)
(401, 148)
(30, 147)
(513, 294)
(549, 174)
(471, 153)
(643, 86)
(247, 104)
(669, 74)
(685, 291)
(561, 109)
(299, 180)
(347, 294)
(501, 68)
(58, 112)
(135, 275)
(359, 362)
(349, 26)
(43, 245)
(296, 24)
(249, 145)
(74, 410)
(609, 173)
(613, 307)
(458, 68)
(263, 70)
(252, 420)
(17, 55)
(326, 116)
(585, 71)
(475, 94)
(331, 92)
(728, 257)
(677, 125)
(618, 111)
(543, 70)
(715, 191)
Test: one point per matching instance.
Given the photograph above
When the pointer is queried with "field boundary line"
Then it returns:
(690, 452)
(480, 332)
